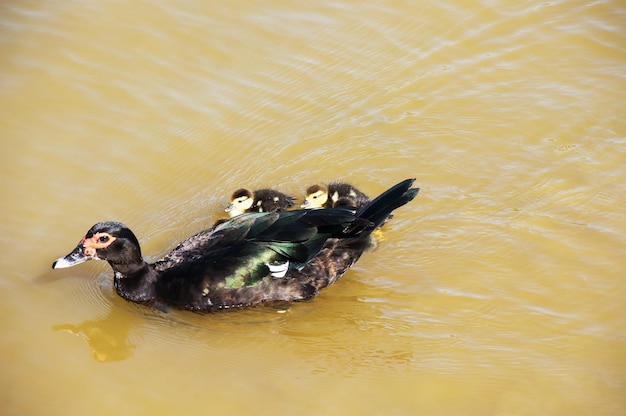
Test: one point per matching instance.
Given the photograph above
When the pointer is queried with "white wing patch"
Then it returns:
(278, 269)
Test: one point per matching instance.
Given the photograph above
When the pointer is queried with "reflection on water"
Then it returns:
(499, 291)
(110, 339)
(107, 338)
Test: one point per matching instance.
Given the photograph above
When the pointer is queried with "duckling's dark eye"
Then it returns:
(103, 239)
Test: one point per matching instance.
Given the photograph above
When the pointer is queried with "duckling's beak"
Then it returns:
(305, 204)
(228, 208)
(77, 256)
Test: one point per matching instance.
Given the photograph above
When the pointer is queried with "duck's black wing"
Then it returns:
(247, 248)
(223, 233)
(191, 248)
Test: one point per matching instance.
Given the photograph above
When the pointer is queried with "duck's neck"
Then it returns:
(135, 282)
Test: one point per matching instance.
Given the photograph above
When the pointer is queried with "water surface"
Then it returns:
(499, 290)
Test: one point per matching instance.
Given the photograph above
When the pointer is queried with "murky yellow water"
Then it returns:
(499, 291)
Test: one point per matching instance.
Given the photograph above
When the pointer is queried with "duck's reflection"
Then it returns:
(112, 337)
(106, 337)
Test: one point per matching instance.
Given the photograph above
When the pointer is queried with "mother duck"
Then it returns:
(248, 260)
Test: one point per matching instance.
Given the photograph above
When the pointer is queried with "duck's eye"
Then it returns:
(103, 239)
(315, 196)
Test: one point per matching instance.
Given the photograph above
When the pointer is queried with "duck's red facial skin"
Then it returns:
(98, 240)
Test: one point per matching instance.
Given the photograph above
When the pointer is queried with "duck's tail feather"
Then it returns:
(375, 212)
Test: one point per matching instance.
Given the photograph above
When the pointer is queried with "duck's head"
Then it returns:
(316, 196)
(110, 241)
(240, 202)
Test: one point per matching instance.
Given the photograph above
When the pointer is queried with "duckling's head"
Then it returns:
(111, 241)
(240, 202)
(316, 196)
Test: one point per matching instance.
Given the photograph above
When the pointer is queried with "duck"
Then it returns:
(260, 200)
(334, 194)
(252, 259)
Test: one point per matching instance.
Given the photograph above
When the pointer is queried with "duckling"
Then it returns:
(261, 200)
(334, 194)
(248, 260)
(345, 201)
